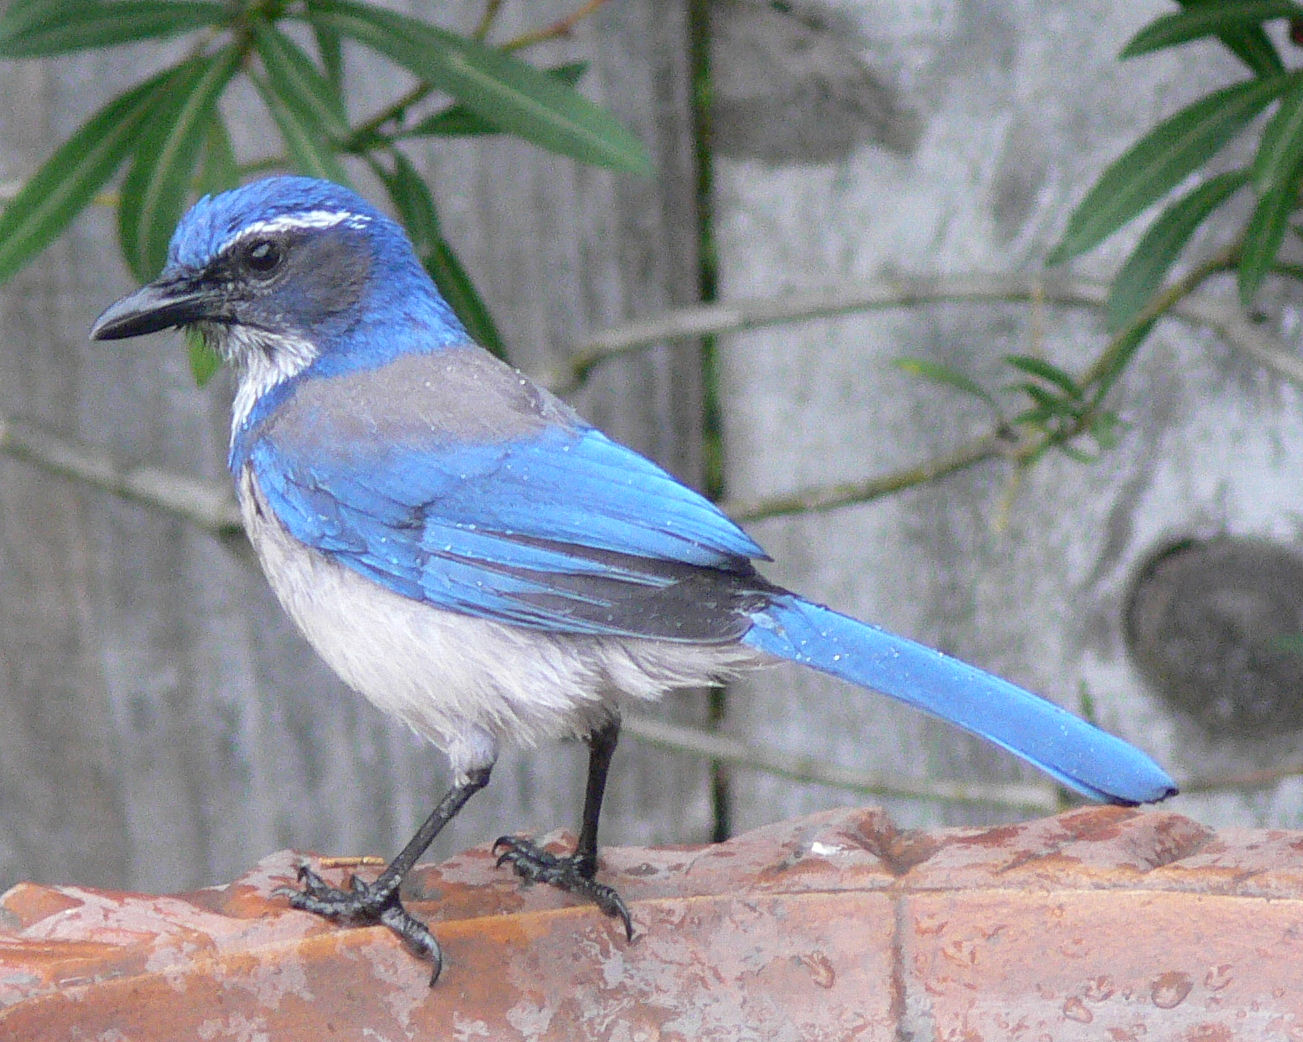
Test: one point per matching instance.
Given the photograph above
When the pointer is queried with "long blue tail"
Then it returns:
(1079, 755)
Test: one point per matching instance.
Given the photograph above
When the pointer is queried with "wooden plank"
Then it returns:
(1026, 576)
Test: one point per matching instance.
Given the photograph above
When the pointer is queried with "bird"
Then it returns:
(469, 554)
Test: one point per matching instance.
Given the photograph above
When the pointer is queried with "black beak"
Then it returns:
(159, 305)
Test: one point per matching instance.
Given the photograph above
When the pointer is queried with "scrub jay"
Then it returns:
(469, 554)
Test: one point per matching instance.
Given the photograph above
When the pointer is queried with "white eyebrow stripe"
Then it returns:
(305, 219)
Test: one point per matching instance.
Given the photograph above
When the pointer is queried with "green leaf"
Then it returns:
(1051, 374)
(69, 179)
(1106, 429)
(415, 208)
(460, 292)
(36, 29)
(948, 377)
(1120, 353)
(1201, 20)
(1250, 44)
(307, 142)
(20, 15)
(296, 80)
(204, 361)
(1143, 272)
(1277, 175)
(219, 169)
(1162, 158)
(519, 98)
(1264, 233)
(157, 186)
(1282, 139)
(331, 49)
(459, 121)
(1047, 402)
(413, 203)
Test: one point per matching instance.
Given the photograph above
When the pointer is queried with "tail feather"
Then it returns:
(1076, 753)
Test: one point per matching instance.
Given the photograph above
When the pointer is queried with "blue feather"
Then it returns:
(1080, 756)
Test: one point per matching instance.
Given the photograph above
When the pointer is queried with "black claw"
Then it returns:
(573, 874)
(364, 903)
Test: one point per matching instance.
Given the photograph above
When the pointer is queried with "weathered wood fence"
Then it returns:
(162, 725)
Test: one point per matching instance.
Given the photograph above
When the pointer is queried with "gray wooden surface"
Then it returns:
(1014, 109)
(162, 726)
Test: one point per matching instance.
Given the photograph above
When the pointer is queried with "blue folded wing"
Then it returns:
(563, 530)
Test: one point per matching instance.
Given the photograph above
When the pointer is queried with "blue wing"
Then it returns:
(557, 528)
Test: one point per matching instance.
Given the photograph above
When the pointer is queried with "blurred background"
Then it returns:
(162, 725)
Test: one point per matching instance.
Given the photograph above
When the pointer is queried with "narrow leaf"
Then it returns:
(1106, 429)
(1277, 175)
(1250, 44)
(1143, 272)
(1282, 139)
(415, 208)
(219, 169)
(217, 172)
(413, 203)
(1162, 158)
(157, 186)
(460, 292)
(69, 179)
(41, 29)
(1264, 233)
(204, 361)
(1044, 370)
(459, 121)
(306, 140)
(1047, 402)
(1120, 353)
(519, 98)
(20, 15)
(1201, 20)
(331, 49)
(298, 81)
(948, 377)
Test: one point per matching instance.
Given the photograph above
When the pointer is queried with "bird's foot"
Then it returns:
(364, 904)
(572, 874)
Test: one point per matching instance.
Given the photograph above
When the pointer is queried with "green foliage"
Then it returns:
(1054, 406)
(1139, 279)
(1238, 24)
(1183, 146)
(170, 133)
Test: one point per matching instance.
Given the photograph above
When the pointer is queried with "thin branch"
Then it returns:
(820, 498)
(561, 27)
(207, 504)
(1040, 799)
(735, 316)
(482, 27)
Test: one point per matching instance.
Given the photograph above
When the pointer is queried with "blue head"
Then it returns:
(289, 273)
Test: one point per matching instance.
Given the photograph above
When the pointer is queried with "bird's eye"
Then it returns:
(263, 256)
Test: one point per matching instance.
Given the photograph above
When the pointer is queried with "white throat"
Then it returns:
(263, 360)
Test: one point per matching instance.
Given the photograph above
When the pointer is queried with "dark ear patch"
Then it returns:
(330, 269)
